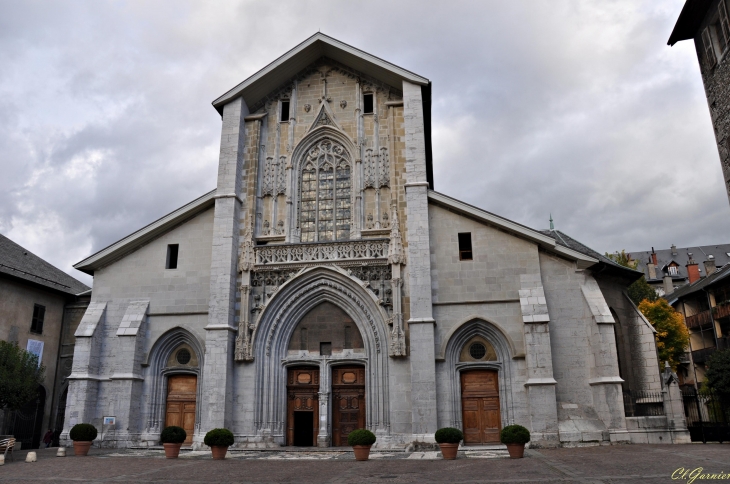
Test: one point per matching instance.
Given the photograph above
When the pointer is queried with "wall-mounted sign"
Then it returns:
(110, 420)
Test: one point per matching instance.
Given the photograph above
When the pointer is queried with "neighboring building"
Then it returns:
(706, 21)
(325, 286)
(705, 305)
(668, 269)
(39, 305)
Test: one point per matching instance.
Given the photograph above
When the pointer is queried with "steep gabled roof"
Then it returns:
(720, 274)
(18, 262)
(297, 59)
(584, 258)
(690, 19)
(146, 234)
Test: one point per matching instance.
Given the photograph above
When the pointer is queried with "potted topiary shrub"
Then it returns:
(515, 437)
(219, 440)
(361, 440)
(82, 434)
(448, 439)
(172, 439)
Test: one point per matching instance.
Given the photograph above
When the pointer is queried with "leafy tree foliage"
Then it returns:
(672, 336)
(20, 376)
(718, 371)
(640, 289)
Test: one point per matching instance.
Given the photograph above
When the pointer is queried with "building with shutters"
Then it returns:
(324, 285)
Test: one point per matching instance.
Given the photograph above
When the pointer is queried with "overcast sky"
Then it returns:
(575, 108)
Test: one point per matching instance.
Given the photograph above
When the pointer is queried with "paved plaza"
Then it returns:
(604, 464)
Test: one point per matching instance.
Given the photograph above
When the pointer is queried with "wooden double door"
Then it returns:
(181, 403)
(480, 406)
(348, 402)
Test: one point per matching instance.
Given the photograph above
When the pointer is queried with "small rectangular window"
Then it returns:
(724, 23)
(39, 313)
(465, 246)
(368, 103)
(303, 339)
(348, 338)
(284, 111)
(325, 349)
(172, 251)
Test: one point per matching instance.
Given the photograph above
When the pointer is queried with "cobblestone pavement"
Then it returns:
(605, 464)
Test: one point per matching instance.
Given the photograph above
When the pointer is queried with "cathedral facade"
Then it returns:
(325, 286)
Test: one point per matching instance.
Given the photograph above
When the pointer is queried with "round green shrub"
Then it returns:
(514, 434)
(448, 435)
(219, 437)
(83, 432)
(361, 437)
(173, 435)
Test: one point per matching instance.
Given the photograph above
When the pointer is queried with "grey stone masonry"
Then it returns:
(217, 373)
(538, 354)
(84, 378)
(422, 353)
(127, 378)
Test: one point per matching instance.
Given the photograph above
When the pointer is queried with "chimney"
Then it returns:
(652, 265)
(674, 249)
(668, 285)
(653, 257)
(710, 265)
(693, 270)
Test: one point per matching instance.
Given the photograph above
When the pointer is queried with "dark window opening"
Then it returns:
(183, 356)
(465, 252)
(39, 313)
(172, 251)
(348, 338)
(303, 339)
(368, 103)
(284, 111)
(325, 349)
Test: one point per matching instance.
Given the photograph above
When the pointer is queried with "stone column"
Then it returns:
(421, 322)
(221, 328)
(538, 354)
(674, 407)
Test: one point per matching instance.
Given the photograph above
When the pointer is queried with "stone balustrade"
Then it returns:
(349, 250)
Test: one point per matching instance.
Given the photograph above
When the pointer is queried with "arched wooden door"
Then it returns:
(181, 402)
(348, 402)
(480, 406)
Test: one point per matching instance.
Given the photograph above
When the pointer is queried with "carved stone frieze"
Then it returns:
(322, 252)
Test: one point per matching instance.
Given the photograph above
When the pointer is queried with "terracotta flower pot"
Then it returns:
(449, 451)
(172, 450)
(362, 452)
(81, 448)
(516, 451)
(219, 451)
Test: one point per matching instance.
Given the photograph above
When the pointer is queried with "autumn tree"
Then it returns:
(639, 290)
(672, 336)
(20, 376)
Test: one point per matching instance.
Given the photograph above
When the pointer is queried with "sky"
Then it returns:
(577, 109)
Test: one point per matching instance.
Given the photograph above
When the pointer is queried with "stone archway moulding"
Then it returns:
(441, 356)
(452, 347)
(276, 324)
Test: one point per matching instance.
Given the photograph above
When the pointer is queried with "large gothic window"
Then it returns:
(326, 186)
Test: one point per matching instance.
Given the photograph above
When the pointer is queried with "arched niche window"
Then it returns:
(326, 188)
(478, 349)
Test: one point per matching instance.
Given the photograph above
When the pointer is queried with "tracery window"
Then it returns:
(326, 187)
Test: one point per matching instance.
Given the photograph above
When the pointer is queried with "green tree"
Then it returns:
(718, 371)
(672, 336)
(20, 376)
(639, 290)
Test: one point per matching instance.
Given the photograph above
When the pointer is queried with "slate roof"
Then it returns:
(721, 273)
(721, 253)
(567, 241)
(18, 262)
